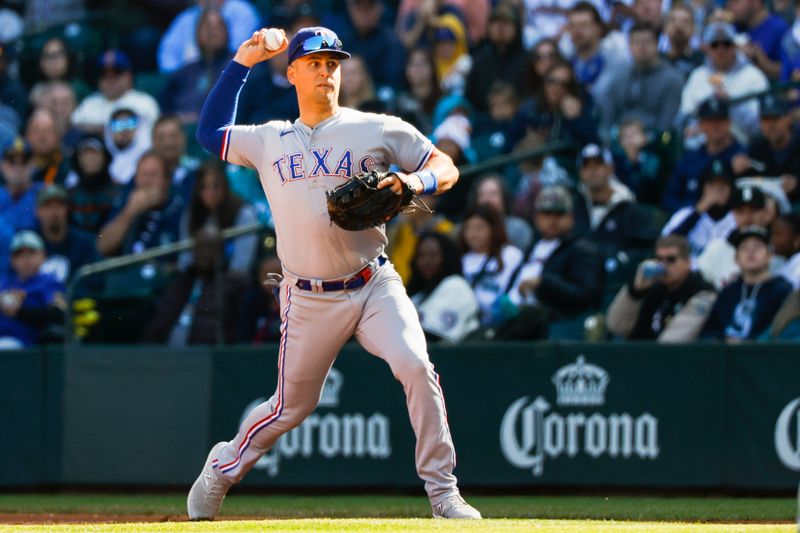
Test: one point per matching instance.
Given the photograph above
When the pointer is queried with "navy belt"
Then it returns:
(358, 280)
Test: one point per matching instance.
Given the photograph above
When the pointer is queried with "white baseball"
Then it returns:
(273, 38)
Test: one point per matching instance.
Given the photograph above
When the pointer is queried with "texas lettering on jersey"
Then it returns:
(291, 167)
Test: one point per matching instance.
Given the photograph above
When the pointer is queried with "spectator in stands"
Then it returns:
(711, 217)
(666, 301)
(637, 166)
(717, 261)
(561, 112)
(790, 50)
(201, 305)
(10, 125)
(453, 136)
(58, 98)
(542, 56)
(44, 15)
(93, 193)
(260, 315)
(30, 301)
(536, 173)
(745, 308)
(561, 274)
(786, 243)
(775, 151)
(17, 196)
(377, 44)
(12, 92)
(416, 102)
(447, 307)
(57, 64)
(357, 89)
(450, 53)
(116, 91)
(492, 190)
(488, 263)
(606, 211)
(679, 49)
(404, 232)
(596, 67)
(786, 324)
(212, 202)
(149, 215)
(650, 90)
(493, 128)
(169, 142)
(127, 137)
(187, 87)
(683, 188)
(501, 58)
(649, 12)
(48, 160)
(67, 249)
(544, 20)
(726, 74)
(415, 17)
(765, 32)
(178, 46)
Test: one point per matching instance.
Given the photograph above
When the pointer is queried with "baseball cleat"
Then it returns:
(205, 497)
(455, 507)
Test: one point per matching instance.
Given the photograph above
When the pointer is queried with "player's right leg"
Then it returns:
(314, 327)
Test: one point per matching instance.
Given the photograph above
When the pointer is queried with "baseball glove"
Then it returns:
(358, 204)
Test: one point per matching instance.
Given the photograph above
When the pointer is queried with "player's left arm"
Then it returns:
(438, 175)
(431, 170)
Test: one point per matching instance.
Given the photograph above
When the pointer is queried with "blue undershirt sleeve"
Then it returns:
(219, 110)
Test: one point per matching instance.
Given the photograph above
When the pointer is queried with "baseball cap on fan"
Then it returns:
(593, 151)
(719, 32)
(315, 39)
(738, 236)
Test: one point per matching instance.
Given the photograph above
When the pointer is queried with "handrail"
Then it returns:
(514, 157)
(115, 263)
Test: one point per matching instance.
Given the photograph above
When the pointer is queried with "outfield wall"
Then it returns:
(521, 415)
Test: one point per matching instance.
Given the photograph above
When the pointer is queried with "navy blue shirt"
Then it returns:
(382, 51)
(155, 227)
(746, 317)
(683, 188)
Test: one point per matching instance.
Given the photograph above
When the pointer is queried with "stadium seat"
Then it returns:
(585, 327)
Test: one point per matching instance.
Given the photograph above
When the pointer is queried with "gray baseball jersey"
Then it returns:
(297, 164)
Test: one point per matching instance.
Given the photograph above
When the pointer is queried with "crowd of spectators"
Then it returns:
(657, 196)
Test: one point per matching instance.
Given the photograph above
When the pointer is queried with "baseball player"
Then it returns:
(336, 283)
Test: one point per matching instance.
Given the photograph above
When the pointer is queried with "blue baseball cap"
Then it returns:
(315, 39)
(114, 60)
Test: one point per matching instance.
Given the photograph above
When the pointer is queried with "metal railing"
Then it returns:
(116, 263)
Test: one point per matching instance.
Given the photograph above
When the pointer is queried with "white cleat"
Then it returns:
(205, 497)
(455, 507)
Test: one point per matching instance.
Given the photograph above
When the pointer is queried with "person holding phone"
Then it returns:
(666, 301)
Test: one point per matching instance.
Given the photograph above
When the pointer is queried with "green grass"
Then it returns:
(388, 525)
(366, 506)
